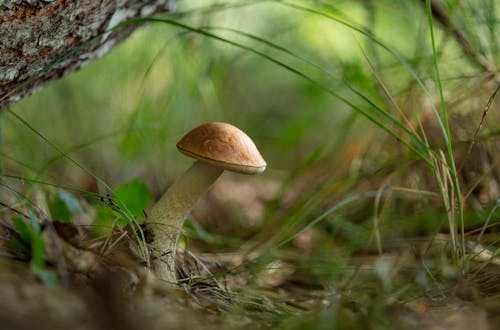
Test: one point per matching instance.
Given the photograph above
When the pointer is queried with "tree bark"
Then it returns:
(43, 40)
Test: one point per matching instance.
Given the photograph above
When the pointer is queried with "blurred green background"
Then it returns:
(323, 88)
(298, 84)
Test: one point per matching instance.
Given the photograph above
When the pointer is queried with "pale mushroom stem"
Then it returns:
(167, 217)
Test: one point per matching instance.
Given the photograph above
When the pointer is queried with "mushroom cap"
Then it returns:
(223, 145)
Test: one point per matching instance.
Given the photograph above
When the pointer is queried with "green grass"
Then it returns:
(376, 121)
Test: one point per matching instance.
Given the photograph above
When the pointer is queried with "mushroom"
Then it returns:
(216, 147)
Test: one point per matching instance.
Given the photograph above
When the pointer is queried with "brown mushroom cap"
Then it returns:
(223, 145)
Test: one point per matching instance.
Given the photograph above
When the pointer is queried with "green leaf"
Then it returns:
(32, 239)
(104, 219)
(72, 203)
(23, 229)
(64, 206)
(59, 211)
(46, 276)
(134, 196)
(37, 251)
(19, 245)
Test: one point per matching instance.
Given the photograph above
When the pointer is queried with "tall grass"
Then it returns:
(444, 168)
(365, 179)
(448, 178)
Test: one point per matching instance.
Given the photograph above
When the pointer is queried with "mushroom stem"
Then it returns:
(169, 213)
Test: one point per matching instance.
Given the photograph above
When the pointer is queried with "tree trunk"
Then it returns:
(43, 40)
